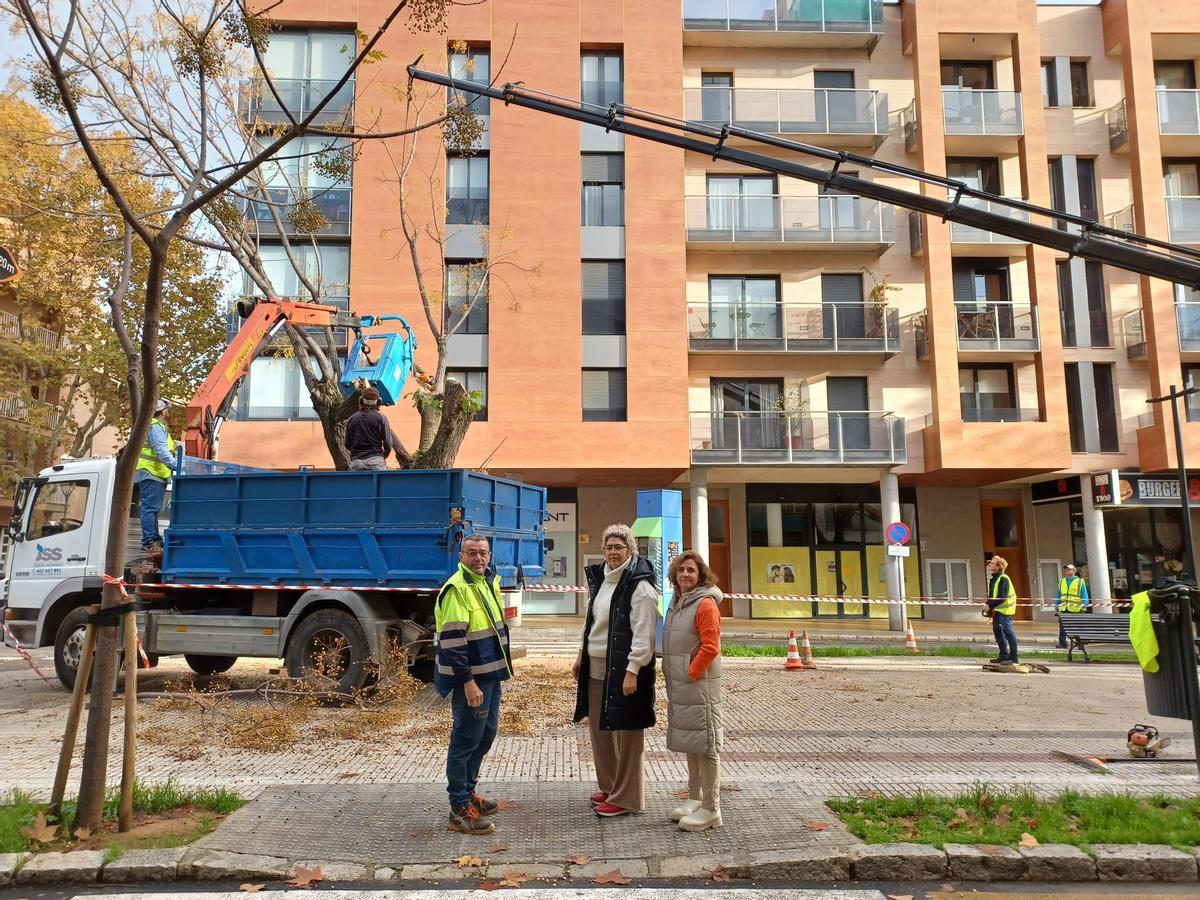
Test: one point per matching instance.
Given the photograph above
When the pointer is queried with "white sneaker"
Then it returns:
(701, 820)
(685, 809)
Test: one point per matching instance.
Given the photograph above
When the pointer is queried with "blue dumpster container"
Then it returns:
(386, 366)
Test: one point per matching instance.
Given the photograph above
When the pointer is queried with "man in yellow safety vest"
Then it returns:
(1001, 607)
(1072, 597)
(154, 469)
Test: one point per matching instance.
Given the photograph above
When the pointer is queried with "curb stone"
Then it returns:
(1058, 862)
(9, 864)
(897, 862)
(77, 867)
(632, 868)
(440, 872)
(144, 865)
(203, 865)
(386, 873)
(984, 862)
(811, 864)
(1142, 862)
(535, 871)
(332, 871)
(700, 866)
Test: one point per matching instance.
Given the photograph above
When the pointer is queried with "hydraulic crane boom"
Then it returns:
(1086, 239)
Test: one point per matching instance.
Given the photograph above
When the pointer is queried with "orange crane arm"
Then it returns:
(208, 407)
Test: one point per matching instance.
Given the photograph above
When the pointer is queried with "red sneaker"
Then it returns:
(607, 809)
(599, 797)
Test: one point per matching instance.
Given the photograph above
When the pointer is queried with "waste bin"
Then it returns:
(1166, 692)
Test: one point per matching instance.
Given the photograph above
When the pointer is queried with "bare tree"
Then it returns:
(115, 77)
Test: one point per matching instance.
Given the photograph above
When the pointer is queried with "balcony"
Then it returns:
(800, 438)
(971, 241)
(1133, 335)
(839, 221)
(790, 23)
(299, 96)
(1183, 219)
(991, 327)
(978, 121)
(1187, 322)
(908, 126)
(14, 328)
(765, 327)
(1000, 414)
(1117, 120)
(14, 409)
(842, 117)
(1179, 121)
(333, 204)
(1122, 220)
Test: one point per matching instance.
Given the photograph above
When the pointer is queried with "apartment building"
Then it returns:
(806, 366)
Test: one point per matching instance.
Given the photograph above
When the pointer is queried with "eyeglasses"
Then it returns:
(477, 554)
(615, 548)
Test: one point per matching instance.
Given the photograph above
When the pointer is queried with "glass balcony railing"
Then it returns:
(1178, 111)
(841, 111)
(837, 16)
(1122, 219)
(333, 203)
(1133, 334)
(967, 234)
(809, 437)
(1117, 120)
(774, 327)
(1187, 321)
(299, 96)
(972, 111)
(997, 326)
(999, 414)
(1183, 219)
(770, 218)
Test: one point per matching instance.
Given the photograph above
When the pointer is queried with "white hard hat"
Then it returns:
(161, 405)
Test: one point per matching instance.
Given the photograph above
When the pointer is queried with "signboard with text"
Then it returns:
(1113, 488)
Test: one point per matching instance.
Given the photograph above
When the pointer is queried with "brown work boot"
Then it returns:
(466, 820)
(484, 806)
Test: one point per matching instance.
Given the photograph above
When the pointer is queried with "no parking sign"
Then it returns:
(898, 533)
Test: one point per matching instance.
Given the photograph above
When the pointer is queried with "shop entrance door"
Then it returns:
(718, 546)
(839, 574)
(1003, 528)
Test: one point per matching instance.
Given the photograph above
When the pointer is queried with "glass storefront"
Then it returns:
(562, 546)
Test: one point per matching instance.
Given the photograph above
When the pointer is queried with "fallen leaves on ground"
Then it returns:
(900, 897)
(731, 787)
(467, 861)
(817, 826)
(489, 884)
(986, 802)
(82, 833)
(502, 805)
(39, 831)
(949, 889)
(868, 794)
(514, 879)
(305, 877)
(616, 876)
(579, 859)
(1003, 817)
(961, 817)
(1028, 840)
(348, 774)
(496, 847)
(251, 888)
(719, 874)
(1033, 824)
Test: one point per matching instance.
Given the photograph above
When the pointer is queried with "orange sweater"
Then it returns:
(708, 626)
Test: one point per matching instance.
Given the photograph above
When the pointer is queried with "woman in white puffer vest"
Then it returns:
(692, 666)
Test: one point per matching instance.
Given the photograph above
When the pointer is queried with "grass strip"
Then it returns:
(951, 651)
(986, 815)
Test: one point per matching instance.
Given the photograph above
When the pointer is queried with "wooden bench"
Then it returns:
(1082, 629)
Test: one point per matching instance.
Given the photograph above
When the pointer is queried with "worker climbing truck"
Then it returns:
(326, 570)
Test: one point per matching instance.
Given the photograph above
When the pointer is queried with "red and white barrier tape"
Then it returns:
(24, 654)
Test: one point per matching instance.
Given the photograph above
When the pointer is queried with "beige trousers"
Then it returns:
(704, 780)
(616, 754)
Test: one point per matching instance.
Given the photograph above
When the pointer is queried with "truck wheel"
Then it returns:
(332, 643)
(209, 665)
(68, 646)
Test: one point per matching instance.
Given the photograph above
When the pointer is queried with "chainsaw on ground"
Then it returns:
(1144, 742)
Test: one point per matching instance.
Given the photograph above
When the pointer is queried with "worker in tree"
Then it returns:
(368, 434)
(156, 463)
(1001, 607)
(1072, 597)
(472, 660)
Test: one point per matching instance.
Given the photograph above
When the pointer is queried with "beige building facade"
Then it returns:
(808, 366)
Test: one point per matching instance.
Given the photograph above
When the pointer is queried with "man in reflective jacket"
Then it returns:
(1072, 597)
(472, 660)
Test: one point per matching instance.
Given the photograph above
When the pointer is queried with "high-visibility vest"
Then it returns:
(149, 460)
(1071, 594)
(1009, 606)
(1141, 632)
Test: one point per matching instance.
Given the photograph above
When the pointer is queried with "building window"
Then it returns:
(981, 281)
(742, 203)
(604, 395)
(1081, 89)
(987, 394)
(745, 307)
(274, 389)
(473, 65)
(600, 76)
(325, 265)
(1097, 303)
(474, 380)
(716, 97)
(466, 295)
(1066, 302)
(604, 297)
(313, 168)
(1106, 407)
(974, 74)
(1075, 408)
(1191, 378)
(979, 173)
(1049, 83)
(603, 189)
(467, 190)
(1085, 174)
(304, 67)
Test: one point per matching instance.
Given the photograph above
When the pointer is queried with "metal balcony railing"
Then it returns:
(908, 125)
(966, 234)
(839, 111)
(1000, 414)
(997, 326)
(832, 437)
(921, 334)
(1122, 219)
(334, 204)
(1133, 334)
(14, 409)
(822, 16)
(1178, 111)
(1187, 322)
(973, 111)
(299, 96)
(1117, 119)
(831, 219)
(1183, 219)
(774, 327)
(16, 329)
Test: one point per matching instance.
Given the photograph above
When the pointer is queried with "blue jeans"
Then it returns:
(471, 738)
(1006, 636)
(151, 494)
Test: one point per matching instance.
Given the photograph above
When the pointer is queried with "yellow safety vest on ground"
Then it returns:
(1071, 601)
(1009, 606)
(149, 460)
(1141, 632)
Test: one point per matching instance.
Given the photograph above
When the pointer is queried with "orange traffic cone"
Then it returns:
(793, 656)
(806, 657)
(910, 641)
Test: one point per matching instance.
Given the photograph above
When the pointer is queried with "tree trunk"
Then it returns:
(334, 408)
(431, 418)
(455, 420)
